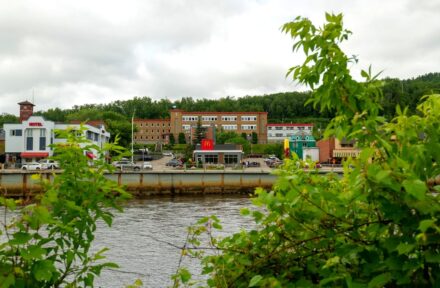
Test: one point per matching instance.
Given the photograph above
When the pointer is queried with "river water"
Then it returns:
(140, 237)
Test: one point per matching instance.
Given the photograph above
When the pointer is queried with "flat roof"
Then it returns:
(289, 124)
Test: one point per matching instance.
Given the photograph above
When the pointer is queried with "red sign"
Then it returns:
(35, 124)
(207, 144)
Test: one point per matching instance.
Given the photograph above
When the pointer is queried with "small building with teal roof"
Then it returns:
(300, 141)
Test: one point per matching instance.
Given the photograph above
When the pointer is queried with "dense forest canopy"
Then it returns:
(281, 107)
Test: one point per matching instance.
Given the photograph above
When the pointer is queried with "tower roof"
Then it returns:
(26, 103)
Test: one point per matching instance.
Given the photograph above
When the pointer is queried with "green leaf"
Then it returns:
(255, 280)
(415, 188)
(380, 280)
(184, 274)
(404, 248)
(425, 224)
(20, 238)
(43, 270)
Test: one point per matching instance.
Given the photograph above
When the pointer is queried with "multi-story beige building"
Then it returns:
(238, 122)
(152, 131)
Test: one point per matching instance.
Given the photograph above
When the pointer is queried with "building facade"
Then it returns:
(333, 150)
(238, 122)
(30, 140)
(276, 133)
(151, 131)
(227, 154)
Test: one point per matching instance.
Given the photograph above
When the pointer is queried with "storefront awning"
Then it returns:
(345, 153)
(34, 154)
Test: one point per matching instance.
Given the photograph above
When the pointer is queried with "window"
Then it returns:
(211, 159)
(231, 159)
(186, 127)
(190, 118)
(248, 127)
(16, 132)
(209, 118)
(96, 137)
(248, 118)
(290, 128)
(229, 118)
(42, 143)
(278, 128)
(229, 127)
(278, 135)
(29, 139)
(42, 132)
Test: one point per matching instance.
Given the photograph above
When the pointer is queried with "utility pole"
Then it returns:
(132, 139)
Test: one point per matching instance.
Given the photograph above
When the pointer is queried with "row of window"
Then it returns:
(42, 133)
(153, 124)
(290, 128)
(30, 143)
(226, 127)
(148, 137)
(152, 131)
(215, 118)
(229, 159)
(280, 135)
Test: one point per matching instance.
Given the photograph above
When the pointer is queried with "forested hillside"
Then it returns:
(281, 107)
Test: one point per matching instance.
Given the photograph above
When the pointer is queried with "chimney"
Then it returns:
(26, 110)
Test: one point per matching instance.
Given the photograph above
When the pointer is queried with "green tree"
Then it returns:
(246, 146)
(378, 225)
(244, 135)
(254, 138)
(223, 136)
(199, 132)
(172, 139)
(47, 243)
(6, 118)
(182, 138)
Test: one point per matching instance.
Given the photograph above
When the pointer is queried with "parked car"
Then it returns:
(49, 164)
(126, 165)
(147, 165)
(251, 164)
(31, 166)
(168, 154)
(174, 163)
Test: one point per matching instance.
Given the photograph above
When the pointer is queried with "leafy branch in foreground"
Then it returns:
(377, 225)
(48, 242)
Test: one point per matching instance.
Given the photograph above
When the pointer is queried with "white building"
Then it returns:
(29, 140)
(276, 133)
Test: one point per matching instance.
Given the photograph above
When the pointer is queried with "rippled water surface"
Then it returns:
(138, 237)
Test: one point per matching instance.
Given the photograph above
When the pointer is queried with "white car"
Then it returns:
(147, 165)
(49, 164)
(31, 166)
(168, 154)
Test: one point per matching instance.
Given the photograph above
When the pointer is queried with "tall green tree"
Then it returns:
(199, 133)
(172, 139)
(254, 138)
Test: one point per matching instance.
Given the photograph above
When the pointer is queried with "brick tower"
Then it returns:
(26, 110)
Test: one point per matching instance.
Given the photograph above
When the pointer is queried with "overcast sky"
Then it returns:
(69, 53)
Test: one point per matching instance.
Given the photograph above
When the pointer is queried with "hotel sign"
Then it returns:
(38, 124)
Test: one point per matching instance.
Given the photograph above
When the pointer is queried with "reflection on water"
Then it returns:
(138, 237)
